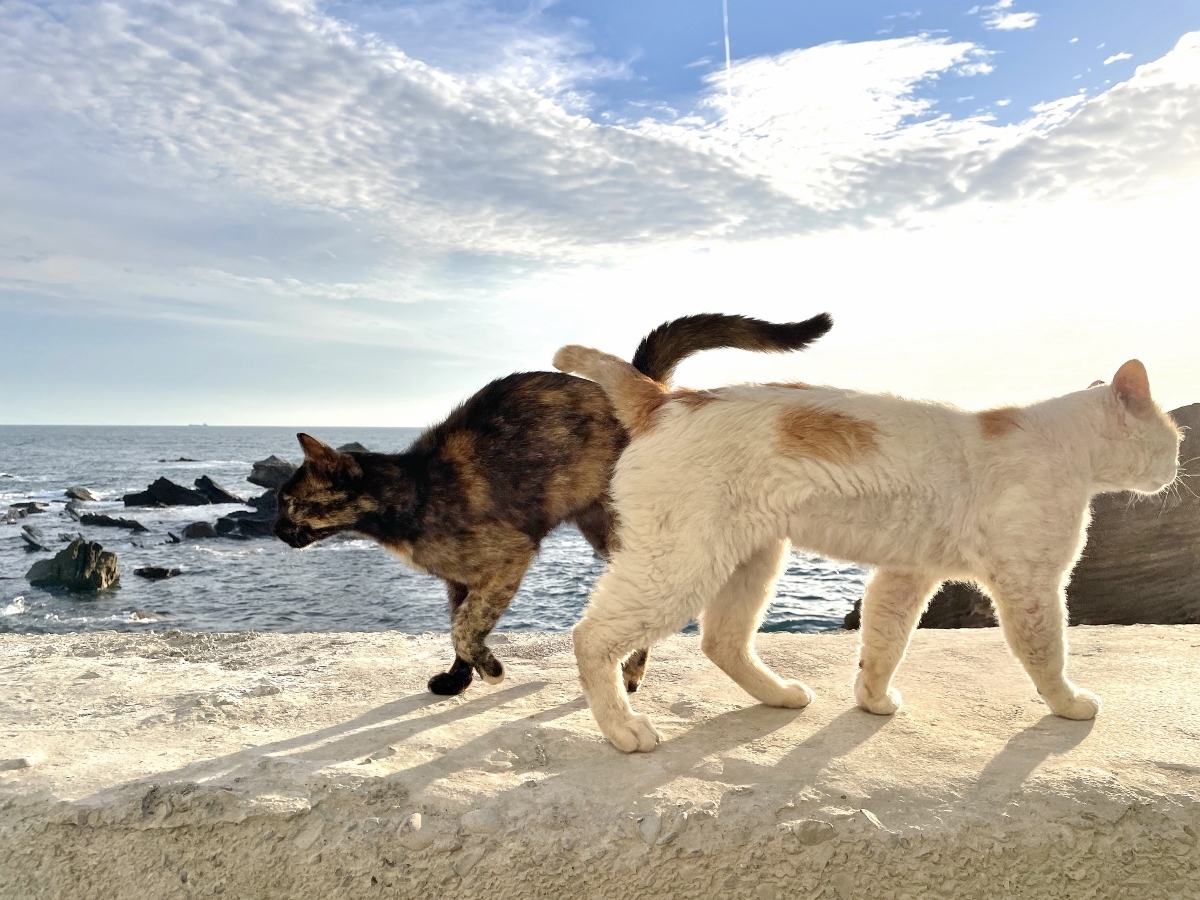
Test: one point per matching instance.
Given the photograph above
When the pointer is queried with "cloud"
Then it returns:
(1117, 57)
(268, 167)
(278, 100)
(998, 17)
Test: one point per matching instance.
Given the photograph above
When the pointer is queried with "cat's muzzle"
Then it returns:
(293, 535)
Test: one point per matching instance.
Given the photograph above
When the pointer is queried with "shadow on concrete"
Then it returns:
(356, 738)
(1025, 751)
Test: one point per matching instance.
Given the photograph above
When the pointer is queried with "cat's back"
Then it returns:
(526, 407)
(762, 426)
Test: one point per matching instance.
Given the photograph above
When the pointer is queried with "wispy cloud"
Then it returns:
(1117, 57)
(267, 166)
(999, 16)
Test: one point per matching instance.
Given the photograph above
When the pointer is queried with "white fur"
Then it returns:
(708, 500)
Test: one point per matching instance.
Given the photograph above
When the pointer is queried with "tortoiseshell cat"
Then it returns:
(472, 498)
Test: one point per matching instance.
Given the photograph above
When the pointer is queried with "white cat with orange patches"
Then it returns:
(716, 483)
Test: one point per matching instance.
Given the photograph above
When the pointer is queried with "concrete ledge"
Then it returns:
(293, 766)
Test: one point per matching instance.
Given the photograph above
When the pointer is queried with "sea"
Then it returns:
(260, 584)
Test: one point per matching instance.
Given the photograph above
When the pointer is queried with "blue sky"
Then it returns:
(284, 211)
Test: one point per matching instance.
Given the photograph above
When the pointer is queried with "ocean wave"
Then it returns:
(15, 608)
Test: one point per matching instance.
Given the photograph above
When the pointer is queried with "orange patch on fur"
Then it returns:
(693, 399)
(639, 400)
(831, 436)
(459, 448)
(996, 423)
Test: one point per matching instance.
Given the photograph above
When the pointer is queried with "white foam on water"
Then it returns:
(15, 608)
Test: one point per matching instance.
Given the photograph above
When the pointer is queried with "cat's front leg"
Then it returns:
(1033, 615)
(892, 606)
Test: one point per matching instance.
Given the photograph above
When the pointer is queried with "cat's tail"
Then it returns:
(635, 397)
(670, 343)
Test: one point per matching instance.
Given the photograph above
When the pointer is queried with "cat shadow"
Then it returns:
(353, 739)
(1025, 751)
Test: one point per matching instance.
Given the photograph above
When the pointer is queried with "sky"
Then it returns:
(285, 212)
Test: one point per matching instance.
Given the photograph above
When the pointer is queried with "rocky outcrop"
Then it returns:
(156, 573)
(214, 492)
(18, 511)
(353, 447)
(271, 472)
(80, 493)
(259, 523)
(105, 521)
(164, 492)
(34, 538)
(1141, 564)
(199, 530)
(82, 566)
(317, 765)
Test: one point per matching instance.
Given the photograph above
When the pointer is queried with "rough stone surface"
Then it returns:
(80, 493)
(104, 521)
(214, 492)
(271, 472)
(164, 492)
(285, 766)
(199, 530)
(80, 566)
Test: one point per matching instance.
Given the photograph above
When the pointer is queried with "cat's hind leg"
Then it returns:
(730, 621)
(631, 607)
(596, 523)
(1033, 616)
(473, 619)
(892, 606)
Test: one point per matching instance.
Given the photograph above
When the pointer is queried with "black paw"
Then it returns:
(633, 670)
(454, 682)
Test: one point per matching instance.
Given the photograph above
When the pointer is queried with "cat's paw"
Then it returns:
(794, 695)
(452, 683)
(1084, 705)
(491, 670)
(635, 734)
(880, 704)
(633, 670)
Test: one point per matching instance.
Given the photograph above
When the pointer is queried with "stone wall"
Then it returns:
(264, 766)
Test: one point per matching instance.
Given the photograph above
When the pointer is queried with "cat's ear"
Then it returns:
(1132, 386)
(316, 451)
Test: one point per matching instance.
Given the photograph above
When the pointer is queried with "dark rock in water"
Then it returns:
(199, 530)
(164, 492)
(259, 523)
(181, 459)
(271, 472)
(156, 573)
(33, 537)
(6, 475)
(1141, 564)
(80, 493)
(83, 566)
(172, 538)
(30, 508)
(12, 516)
(67, 538)
(214, 492)
(110, 522)
(958, 605)
(73, 509)
(353, 447)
